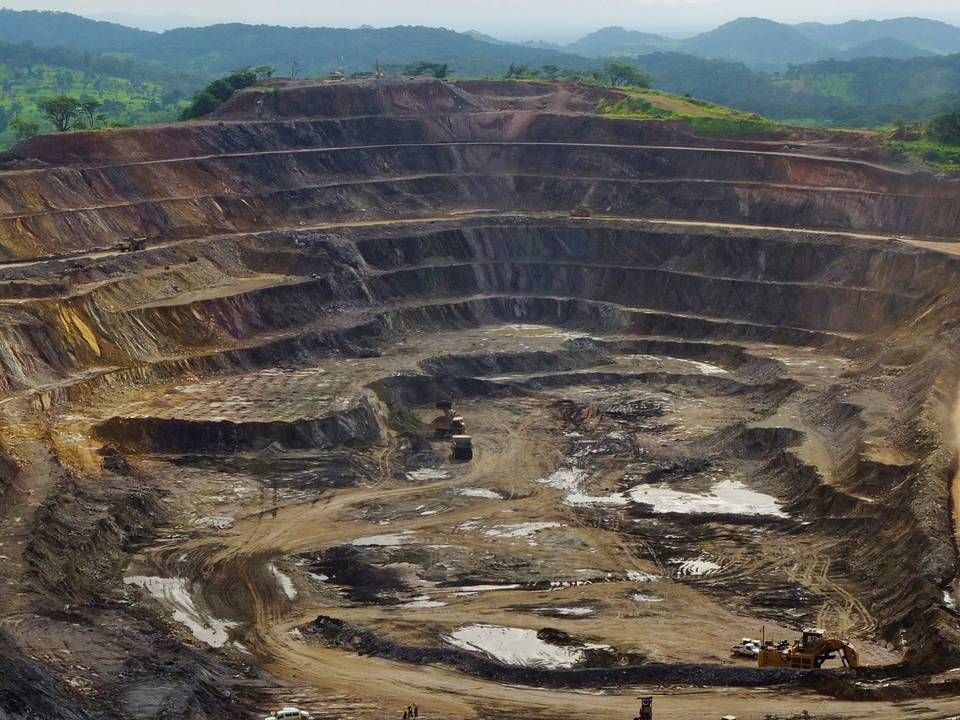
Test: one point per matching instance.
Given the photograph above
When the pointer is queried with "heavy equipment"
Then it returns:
(447, 424)
(461, 447)
(581, 211)
(809, 653)
(131, 244)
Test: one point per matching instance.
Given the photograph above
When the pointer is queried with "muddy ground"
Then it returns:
(720, 407)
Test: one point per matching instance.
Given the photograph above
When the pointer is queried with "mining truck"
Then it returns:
(447, 424)
(132, 244)
(809, 653)
(581, 211)
(461, 447)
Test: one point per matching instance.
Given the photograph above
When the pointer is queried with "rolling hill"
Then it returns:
(131, 93)
(62, 29)
(930, 35)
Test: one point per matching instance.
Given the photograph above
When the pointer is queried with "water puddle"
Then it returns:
(286, 584)
(480, 493)
(515, 646)
(568, 611)
(725, 497)
(216, 522)
(427, 474)
(424, 602)
(641, 576)
(174, 593)
(518, 530)
(697, 568)
(387, 540)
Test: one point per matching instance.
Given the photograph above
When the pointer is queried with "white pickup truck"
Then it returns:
(288, 714)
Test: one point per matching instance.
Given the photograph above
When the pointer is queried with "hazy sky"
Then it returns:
(528, 19)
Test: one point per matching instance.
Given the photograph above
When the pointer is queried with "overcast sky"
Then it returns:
(513, 19)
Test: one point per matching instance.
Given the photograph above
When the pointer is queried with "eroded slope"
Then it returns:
(723, 400)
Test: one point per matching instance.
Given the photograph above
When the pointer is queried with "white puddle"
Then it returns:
(286, 584)
(514, 646)
(726, 497)
(217, 522)
(697, 567)
(175, 594)
(383, 540)
(571, 480)
(422, 603)
(707, 368)
(427, 474)
(569, 611)
(474, 589)
(520, 529)
(641, 576)
(480, 493)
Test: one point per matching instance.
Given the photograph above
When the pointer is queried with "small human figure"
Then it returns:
(410, 712)
(416, 711)
(406, 715)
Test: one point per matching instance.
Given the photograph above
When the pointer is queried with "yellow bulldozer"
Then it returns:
(810, 652)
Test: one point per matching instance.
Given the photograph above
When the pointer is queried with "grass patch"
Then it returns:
(942, 158)
(705, 118)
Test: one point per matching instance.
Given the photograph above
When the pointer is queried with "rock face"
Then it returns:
(324, 223)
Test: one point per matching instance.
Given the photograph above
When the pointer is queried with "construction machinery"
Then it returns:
(447, 424)
(130, 244)
(581, 211)
(810, 652)
(461, 447)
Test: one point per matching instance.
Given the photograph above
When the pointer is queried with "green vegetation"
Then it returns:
(621, 74)
(705, 118)
(219, 91)
(433, 69)
(945, 129)
(109, 91)
(937, 143)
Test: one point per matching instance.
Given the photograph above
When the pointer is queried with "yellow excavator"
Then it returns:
(809, 653)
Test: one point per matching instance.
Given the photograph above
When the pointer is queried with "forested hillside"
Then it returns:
(129, 92)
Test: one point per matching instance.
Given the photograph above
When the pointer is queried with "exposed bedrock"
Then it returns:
(279, 295)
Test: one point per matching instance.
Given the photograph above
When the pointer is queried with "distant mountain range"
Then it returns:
(855, 73)
(758, 43)
(768, 45)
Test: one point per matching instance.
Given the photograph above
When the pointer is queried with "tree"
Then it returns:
(88, 111)
(219, 91)
(434, 69)
(61, 110)
(550, 72)
(24, 128)
(945, 128)
(518, 71)
(621, 74)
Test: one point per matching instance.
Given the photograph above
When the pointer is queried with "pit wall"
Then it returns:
(82, 210)
(798, 291)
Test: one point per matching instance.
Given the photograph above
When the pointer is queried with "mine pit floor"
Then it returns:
(411, 546)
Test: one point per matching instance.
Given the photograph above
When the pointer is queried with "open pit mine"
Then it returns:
(709, 385)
